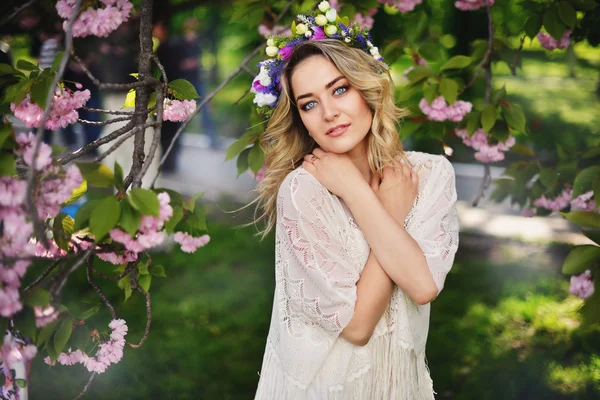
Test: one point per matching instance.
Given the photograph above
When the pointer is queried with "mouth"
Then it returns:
(337, 130)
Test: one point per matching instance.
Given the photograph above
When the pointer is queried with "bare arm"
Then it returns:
(397, 252)
(373, 294)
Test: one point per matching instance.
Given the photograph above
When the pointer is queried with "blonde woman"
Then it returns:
(365, 232)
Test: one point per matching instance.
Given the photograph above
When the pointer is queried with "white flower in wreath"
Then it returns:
(264, 99)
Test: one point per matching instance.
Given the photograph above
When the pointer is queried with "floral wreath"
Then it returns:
(322, 24)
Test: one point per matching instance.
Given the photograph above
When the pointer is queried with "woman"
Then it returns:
(365, 233)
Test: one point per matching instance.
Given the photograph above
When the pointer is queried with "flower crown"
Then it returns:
(319, 25)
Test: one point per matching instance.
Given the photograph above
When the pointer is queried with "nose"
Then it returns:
(330, 111)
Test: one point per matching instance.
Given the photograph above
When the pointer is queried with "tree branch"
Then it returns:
(86, 387)
(44, 274)
(134, 285)
(107, 86)
(114, 112)
(98, 290)
(103, 123)
(17, 11)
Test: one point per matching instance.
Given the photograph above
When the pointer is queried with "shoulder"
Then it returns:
(428, 164)
(300, 182)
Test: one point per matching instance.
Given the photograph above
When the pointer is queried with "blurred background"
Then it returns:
(505, 326)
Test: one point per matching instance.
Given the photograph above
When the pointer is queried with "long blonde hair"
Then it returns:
(286, 141)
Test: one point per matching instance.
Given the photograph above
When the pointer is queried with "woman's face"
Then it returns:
(333, 112)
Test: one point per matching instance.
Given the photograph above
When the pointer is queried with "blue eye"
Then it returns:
(341, 90)
(308, 106)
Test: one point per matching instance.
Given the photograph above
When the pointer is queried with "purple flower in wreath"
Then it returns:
(286, 52)
(318, 34)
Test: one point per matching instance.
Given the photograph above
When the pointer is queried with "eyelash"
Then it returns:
(304, 106)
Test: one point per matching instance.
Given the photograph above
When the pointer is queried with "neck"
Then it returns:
(358, 155)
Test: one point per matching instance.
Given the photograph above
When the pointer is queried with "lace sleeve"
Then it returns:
(434, 225)
(315, 281)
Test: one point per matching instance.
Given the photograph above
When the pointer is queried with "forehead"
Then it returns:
(312, 74)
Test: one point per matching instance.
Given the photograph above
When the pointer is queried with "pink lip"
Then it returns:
(338, 130)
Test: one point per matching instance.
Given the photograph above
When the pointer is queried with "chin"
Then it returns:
(341, 145)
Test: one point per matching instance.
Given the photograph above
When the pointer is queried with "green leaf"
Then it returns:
(239, 145)
(83, 214)
(418, 74)
(125, 284)
(256, 158)
(456, 62)
(89, 313)
(522, 150)
(242, 162)
(498, 94)
(592, 234)
(585, 5)
(143, 268)
(198, 219)
(514, 116)
(77, 193)
(549, 177)
(408, 128)
(473, 120)
(63, 334)
(158, 271)
(449, 89)
(45, 333)
(130, 218)
(174, 220)
(581, 258)
(22, 383)
(533, 25)
(62, 229)
(129, 99)
(488, 117)
(57, 61)
(145, 201)
(144, 281)
(585, 179)
(567, 14)
(36, 297)
(7, 69)
(596, 189)
(430, 51)
(183, 90)
(40, 89)
(104, 217)
(27, 66)
(96, 174)
(553, 24)
(7, 164)
(586, 219)
(118, 177)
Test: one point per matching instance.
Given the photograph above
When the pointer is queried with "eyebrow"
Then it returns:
(330, 84)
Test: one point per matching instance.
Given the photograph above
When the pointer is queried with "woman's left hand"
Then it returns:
(335, 171)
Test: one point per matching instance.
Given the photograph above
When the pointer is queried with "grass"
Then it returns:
(503, 328)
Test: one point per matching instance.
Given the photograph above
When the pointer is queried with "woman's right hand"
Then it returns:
(397, 189)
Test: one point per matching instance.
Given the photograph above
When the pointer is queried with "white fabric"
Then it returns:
(320, 254)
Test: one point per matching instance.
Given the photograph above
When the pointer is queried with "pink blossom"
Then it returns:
(177, 111)
(48, 361)
(584, 202)
(582, 285)
(527, 212)
(260, 175)
(45, 315)
(119, 328)
(549, 43)
(99, 22)
(470, 5)
(558, 203)
(10, 302)
(16, 234)
(485, 152)
(265, 31)
(365, 21)
(403, 6)
(12, 191)
(189, 243)
(118, 259)
(439, 110)
(63, 110)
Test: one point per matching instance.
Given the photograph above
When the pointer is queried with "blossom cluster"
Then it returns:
(178, 111)
(403, 6)
(95, 21)
(470, 5)
(582, 285)
(584, 202)
(556, 204)
(63, 111)
(439, 110)
(324, 24)
(109, 352)
(486, 152)
(189, 243)
(15, 238)
(549, 43)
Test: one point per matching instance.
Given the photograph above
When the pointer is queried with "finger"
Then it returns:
(388, 173)
(308, 158)
(309, 167)
(319, 153)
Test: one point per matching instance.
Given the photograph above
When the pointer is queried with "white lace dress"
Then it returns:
(320, 254)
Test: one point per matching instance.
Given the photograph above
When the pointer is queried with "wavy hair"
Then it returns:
(286, 141)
